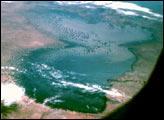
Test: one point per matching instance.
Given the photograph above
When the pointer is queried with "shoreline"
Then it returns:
(130, 82)
(128, 79)
(109, 107)
(144, 61)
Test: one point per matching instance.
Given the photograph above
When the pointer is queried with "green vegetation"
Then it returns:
(5, 110)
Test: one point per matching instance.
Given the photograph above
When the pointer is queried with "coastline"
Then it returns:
(141, 70)
(133, 77)
(131, 82)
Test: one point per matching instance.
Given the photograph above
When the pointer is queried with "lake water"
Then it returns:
(75, 77)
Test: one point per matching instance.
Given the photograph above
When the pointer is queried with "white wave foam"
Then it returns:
(11, 93)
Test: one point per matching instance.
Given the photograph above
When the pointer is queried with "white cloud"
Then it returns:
(7, 1)
(127, 12)
(116, 5)
(11, 93)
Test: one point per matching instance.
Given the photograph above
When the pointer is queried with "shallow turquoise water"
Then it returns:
(65, 79)
(75, 77)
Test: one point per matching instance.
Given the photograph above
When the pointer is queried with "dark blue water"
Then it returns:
(75, 77)
(69, 80)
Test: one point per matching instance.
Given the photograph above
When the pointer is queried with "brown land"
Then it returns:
(27, 37)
